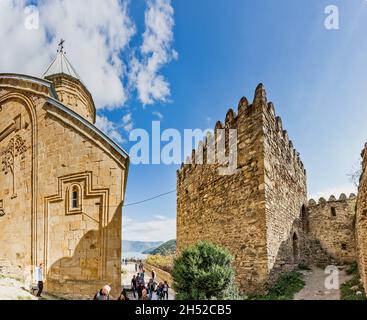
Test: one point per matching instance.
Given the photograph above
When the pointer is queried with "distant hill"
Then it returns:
(164, 249)
(139, 246)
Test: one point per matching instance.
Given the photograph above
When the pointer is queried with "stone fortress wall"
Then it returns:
(285, 196)
(247, 212)
(261, 213)
(361, 221)
(332, 223)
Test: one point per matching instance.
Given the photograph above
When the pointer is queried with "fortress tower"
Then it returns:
(258, 212)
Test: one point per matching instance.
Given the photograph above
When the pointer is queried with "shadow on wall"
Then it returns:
(299, 248)
(96, 261)
(291, 251)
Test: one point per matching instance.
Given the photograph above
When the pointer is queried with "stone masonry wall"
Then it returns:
(332, 223)
(72, 93)
(15, 184)
(233, 211)
(361, 221)
(84, 247)
(47, 156)
(285, 196)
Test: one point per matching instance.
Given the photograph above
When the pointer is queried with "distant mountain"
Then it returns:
(165, 249)
(139, 246)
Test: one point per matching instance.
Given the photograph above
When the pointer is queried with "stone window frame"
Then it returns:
(333, 211)
(70, 208)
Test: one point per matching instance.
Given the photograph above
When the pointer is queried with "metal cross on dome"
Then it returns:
(61, 45)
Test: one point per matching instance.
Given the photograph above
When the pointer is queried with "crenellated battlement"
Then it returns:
(277, 133)
(332, 223)
(251, 212)
(322, 201)
(249, 119)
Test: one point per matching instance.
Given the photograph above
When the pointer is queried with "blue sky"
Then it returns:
(211, 54)
(315, 77)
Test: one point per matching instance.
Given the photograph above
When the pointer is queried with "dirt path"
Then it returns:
(12, 289)
(315, 285)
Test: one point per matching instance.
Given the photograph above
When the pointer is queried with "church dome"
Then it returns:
(68, 85)
(61, 65)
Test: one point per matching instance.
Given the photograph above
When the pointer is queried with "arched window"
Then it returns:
(74, 199)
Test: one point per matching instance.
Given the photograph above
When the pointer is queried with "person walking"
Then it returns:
(151, 288)
(134, 285)
(144, 295)
(39, 279)
(103, 294)
(142, 276)
(165, 290)
(136, 267)
(160, 291)
(153, 274)
(141, 287)
(123, 296)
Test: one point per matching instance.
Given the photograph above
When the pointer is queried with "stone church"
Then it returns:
(62, 183)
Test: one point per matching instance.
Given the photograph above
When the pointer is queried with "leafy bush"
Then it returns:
(304, 267)
(202, 272)
(353, 289)
(162, 262)
(352, 269)
(349, 290)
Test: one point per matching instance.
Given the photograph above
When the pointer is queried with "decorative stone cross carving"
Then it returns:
(15, 148)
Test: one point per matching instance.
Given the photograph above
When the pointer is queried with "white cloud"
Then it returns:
(98, 34)
(158, 114)
(127, 122)
(109, 128)
(156, 51)
(335, 191)
(112, 129)
(160, 217)
(161, 228)
(95, 36)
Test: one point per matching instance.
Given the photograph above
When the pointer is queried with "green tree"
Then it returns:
(202, 272)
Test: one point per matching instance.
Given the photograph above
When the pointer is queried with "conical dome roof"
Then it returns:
(69, 87)
(61, 65)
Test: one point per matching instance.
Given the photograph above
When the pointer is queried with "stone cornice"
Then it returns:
(45, 88)
(36, 85)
